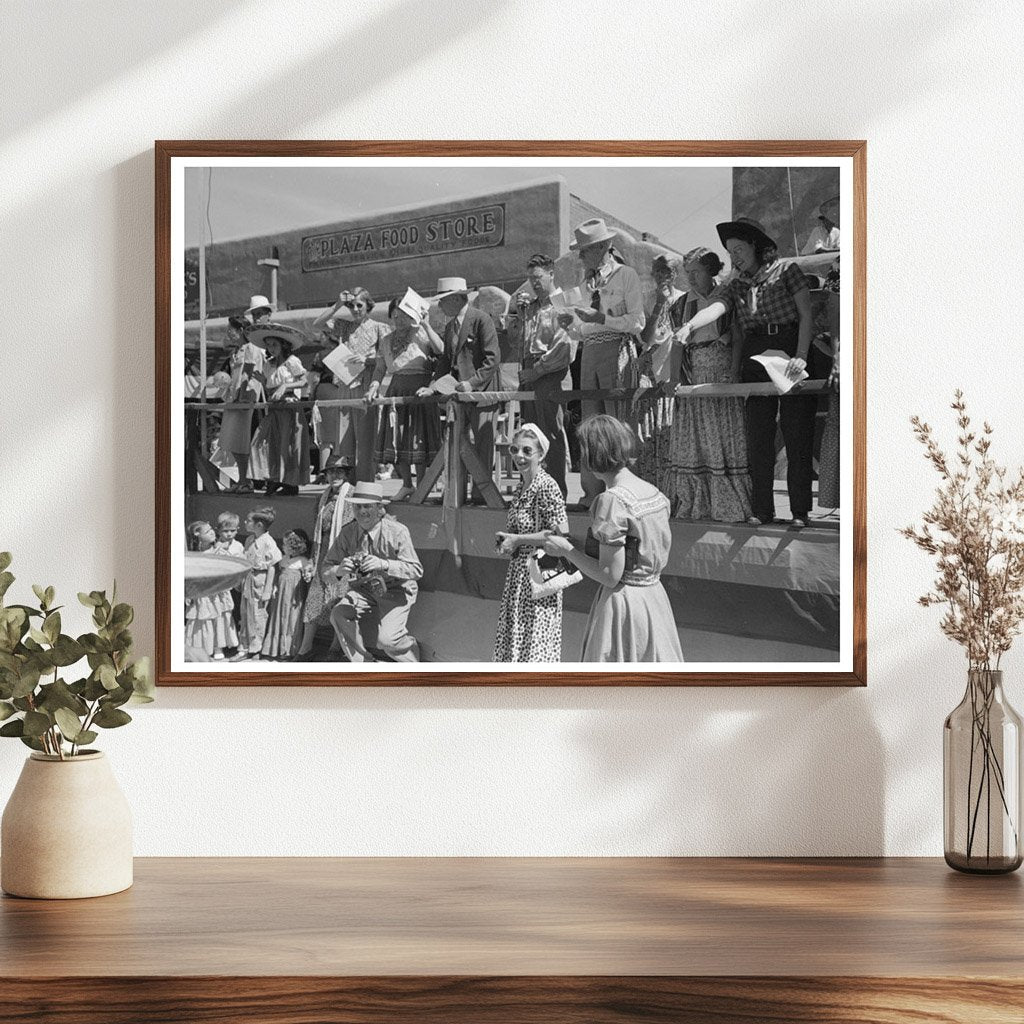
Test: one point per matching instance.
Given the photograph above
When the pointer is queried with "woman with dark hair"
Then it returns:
(772, 305)
(245, 365)
(627, 548)
(659, 370)
(708, 476)
(409, 435)
(349, 431)
(280, 447)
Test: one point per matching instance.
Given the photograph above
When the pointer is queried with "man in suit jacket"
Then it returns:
(472, 357)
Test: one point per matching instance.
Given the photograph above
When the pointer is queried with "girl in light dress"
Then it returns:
(209, 626)
(284, 626)
(263, 554)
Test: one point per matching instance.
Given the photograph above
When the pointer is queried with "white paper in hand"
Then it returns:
(344, 363)
(567, 299)
(414, 305)
(775, 363)
(445, 385)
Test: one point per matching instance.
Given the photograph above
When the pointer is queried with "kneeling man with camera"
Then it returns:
(375, 556)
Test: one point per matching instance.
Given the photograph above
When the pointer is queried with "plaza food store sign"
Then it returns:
(480, 228)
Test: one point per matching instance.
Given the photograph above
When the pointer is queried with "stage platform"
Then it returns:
(740, 594)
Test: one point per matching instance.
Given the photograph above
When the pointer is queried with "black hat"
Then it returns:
(746, 230)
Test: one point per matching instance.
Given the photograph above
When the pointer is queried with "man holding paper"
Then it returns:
(470, 362)
(545, 354)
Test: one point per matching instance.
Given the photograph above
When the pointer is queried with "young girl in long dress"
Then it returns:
(284, 626)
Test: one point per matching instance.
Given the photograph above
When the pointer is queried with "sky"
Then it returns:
(679, 205)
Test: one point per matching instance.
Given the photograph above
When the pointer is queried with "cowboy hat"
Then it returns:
(451, 286)
(339, 462)
(590, 232)
(259, 302)
(746, 230)
(367, 493)
(259, 333)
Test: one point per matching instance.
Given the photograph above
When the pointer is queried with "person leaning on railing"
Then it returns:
(247, 376)
(772, 303)
(409, 435)
(471, 355)
(607, 328)
(350, 431)
(545, 354)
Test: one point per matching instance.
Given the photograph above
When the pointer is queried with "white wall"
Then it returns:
(937, 90)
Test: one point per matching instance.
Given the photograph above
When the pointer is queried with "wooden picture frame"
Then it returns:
(716, 552)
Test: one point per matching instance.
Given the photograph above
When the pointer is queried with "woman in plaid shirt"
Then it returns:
(772, 305)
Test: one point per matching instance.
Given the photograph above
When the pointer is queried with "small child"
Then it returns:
(227, 533)
(284, 630)
(209, 626)
(228, 544)
(263, 554)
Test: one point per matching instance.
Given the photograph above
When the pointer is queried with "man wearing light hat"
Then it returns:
(374, 553)
(471, 355)
(607, 328)
(259, 309)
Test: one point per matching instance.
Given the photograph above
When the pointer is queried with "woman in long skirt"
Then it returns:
(631, 619)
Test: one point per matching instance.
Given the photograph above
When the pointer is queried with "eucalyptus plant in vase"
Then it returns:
(66, 830)
(975, 530)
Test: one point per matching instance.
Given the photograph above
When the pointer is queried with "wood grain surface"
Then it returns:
(166, 150)
(568, 940)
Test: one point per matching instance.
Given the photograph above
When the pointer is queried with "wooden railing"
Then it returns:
(458, 461)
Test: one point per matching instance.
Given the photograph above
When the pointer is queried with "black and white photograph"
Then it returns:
(440, 415)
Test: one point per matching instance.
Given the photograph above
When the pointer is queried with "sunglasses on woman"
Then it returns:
(515, 449)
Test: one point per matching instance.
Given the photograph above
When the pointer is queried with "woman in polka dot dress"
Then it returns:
(530, 630)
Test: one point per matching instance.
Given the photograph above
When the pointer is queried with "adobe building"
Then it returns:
(486, 238)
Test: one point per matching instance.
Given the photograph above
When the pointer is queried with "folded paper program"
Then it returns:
(414, 305)
(445, 385)
(567, 299)
(344, 363)
(775, 363)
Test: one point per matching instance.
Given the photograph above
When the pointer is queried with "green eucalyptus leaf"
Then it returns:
(50, 595)
(27, 681)
(86, 736)
(69, 724)
(94, 644)
(142, 677)
(59, 695)
(9, 663)
(51, 626)
(36, 723)
(94, 689)
(22, 703)
(111, 718)
(5, 560)
(30, 645)
(6, 579)
(39, 636)
(6, 710)
(40, 593)
(13, 728)
(31, 741)
(67, 651)
(107, 676)
(141, 698)
(122, 615)
(115, 698)
(87, 599)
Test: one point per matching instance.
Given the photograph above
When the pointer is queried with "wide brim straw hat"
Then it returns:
(451, 286)
(367, 493)
(746, 230)
(259, 333)
(590, 232)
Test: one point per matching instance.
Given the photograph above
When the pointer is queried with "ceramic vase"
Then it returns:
(66, 831)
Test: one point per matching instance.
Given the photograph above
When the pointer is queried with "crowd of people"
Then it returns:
(644, 458)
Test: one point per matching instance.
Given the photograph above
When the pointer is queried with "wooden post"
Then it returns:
(455, 470)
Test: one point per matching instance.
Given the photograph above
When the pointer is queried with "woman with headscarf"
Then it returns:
(530, 629)
(349, 430)
(708, 476)
(280, 446)
(771, 301)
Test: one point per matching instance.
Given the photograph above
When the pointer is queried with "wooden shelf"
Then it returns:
(573, 941)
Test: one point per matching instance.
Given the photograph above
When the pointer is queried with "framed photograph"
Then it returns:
(493, 413)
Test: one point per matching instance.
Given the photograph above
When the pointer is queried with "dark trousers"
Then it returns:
(548, 415)
(796, 418)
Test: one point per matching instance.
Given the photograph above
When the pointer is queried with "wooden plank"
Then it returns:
(481, 477)
(426, 484)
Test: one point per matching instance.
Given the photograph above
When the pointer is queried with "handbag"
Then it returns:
(549, 573)
(546, 580)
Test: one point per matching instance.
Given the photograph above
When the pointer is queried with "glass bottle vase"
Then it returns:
(981, 747)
